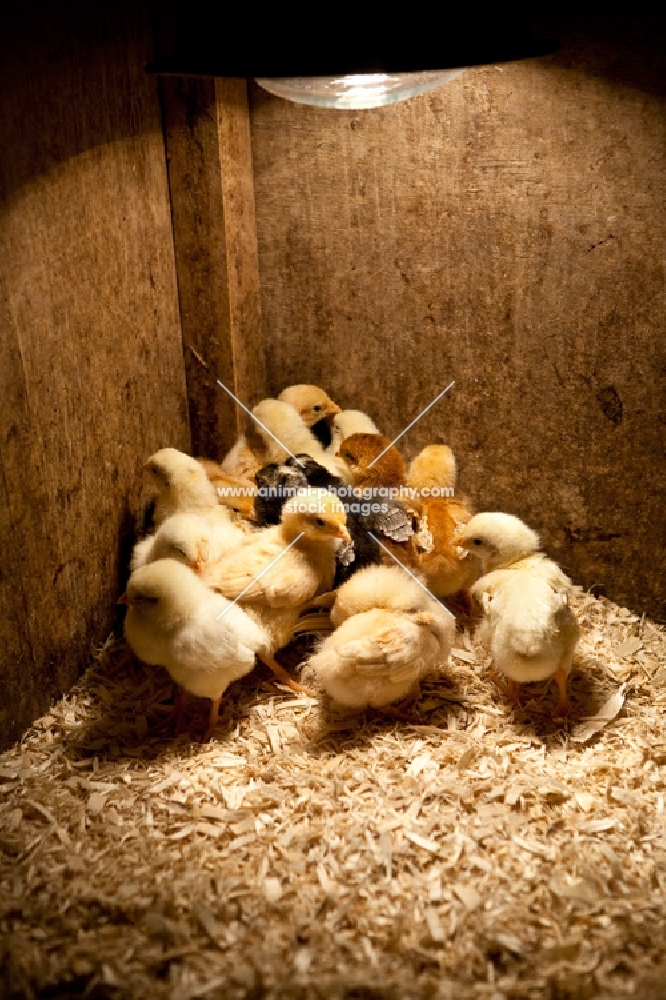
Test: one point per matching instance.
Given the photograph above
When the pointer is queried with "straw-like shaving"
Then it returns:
(484, 853)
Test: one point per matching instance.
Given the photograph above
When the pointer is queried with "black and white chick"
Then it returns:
(392, 521)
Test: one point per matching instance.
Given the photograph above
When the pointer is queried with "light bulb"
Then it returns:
(358, 90)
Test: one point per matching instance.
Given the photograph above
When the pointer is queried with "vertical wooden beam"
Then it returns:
(212, 202)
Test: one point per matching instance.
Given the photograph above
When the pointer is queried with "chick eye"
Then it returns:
(317, 408)
(477, 541)
(236, 510)
(320, 522)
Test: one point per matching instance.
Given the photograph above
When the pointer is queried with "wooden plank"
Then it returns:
(212, 198)
(504, 231)
(92, 379)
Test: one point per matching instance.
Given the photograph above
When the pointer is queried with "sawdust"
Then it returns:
(487, 852)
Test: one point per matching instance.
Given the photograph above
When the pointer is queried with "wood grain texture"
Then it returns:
(505, 231)
(212, 197)
(92, 380)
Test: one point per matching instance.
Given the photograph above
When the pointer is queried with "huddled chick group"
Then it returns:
(313, 523)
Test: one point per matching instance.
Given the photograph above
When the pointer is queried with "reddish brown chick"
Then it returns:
(359, 450)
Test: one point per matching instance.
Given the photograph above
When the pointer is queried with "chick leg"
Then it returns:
(213, 718)
(283, 676)
(564, 706)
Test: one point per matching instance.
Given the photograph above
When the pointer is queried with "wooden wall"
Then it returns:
(92, 378)
(505, 231)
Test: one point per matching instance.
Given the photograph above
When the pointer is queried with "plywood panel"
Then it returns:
(92, 379)
(505, 231)
(212, 196)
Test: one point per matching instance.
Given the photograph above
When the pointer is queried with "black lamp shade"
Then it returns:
(224, 42)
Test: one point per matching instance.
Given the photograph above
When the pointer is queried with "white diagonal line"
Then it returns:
(442, 393)
(258, 421)
(414, 578)
(259, 576)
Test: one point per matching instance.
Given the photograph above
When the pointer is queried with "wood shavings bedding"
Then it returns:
(483, 852)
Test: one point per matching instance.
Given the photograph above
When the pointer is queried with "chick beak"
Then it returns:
(144, 467)
(198, 564)
(342, 532)
(464, 543)
(123, 599)
(331, 410)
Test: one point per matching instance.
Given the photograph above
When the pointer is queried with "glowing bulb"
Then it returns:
(358, 90)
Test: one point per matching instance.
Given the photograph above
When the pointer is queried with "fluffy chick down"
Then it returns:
(174, 621)
(528, 627)
(390, 633)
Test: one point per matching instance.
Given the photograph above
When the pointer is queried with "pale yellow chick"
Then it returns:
(181, 483)
(348, 422)
(434, 467)
(528, 627)
(175, 621)
(390, 634)
(277, 434)
(237, 495)
(310, 402)
(196, 540)
(280, 568)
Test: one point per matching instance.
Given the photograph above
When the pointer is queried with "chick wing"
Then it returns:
(290, 581)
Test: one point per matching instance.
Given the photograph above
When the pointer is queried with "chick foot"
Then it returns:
(284, 677)
(564, 708)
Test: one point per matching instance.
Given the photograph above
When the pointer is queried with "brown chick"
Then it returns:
(360, 455)
(446, 567)
(311, 402)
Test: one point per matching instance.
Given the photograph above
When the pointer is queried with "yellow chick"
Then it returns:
(390, 634)
(434, 467)
(195, 539)
(348, 422)
(528, 627)
(181, 483)
(236, 494)
(277, 434)
(176, 622)
(310, 402)
(280, 568)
